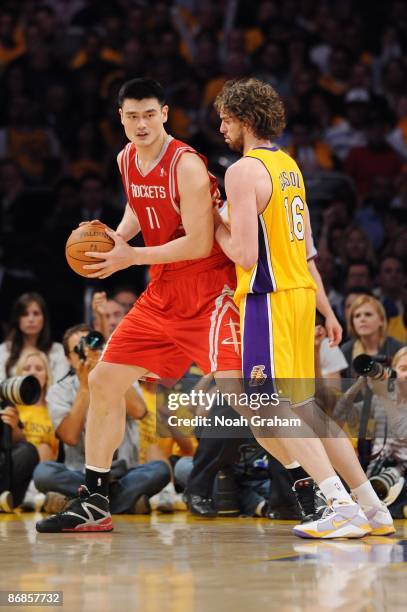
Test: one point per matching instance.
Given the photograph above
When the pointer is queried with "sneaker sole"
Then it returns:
(343, 532)
(165, 509)
(105, 525)
(384, 530)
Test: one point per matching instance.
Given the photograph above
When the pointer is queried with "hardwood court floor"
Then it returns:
(182, 564)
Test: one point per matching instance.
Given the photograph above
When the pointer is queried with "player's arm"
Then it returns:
(129, 226)
(240, 241)
(332, 325)
(196, 214)
(197, 220)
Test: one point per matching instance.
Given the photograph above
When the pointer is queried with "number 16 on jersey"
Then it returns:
(295, 218)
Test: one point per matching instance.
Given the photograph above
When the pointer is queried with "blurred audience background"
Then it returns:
(341, 70)
(344, 87)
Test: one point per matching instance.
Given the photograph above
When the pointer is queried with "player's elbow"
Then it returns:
(206, 251)
(246, 258)
(203, 247)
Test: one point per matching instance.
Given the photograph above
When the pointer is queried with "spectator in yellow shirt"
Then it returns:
(38, 428)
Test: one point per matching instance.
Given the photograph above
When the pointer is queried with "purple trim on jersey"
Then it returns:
(267, 148)
(256, 335)
(262, 281)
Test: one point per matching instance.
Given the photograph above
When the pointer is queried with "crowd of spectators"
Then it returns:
(340, 68)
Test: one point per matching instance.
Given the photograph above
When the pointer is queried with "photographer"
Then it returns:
(368, 330)
(386, 426)
(24, 458)
(68, 402)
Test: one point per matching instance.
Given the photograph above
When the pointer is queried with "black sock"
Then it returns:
(97, 482)
(298, 473)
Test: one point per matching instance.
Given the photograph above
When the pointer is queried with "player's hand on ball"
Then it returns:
(333, 330)
(93, 222)
(120, 257)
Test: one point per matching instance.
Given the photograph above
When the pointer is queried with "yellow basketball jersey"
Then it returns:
(282, 262)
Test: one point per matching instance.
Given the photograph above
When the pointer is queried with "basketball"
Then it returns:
(87, 237)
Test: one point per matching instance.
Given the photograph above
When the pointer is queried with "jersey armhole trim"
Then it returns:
(173, 176)
(271, 180)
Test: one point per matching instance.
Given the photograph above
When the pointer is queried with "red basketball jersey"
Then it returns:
(154, 198)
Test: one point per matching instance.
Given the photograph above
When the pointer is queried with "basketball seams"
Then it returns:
(78, 244)
(89, 260)
(89, 242)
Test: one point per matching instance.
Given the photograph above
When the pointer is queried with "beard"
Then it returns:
(237, 143)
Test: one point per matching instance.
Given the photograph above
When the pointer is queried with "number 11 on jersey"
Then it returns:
(153, 217)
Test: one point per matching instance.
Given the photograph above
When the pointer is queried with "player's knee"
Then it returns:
(98, 382)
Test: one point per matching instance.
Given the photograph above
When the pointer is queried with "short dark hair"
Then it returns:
(395, 258)
(120, 288)
(71, 331)
(139, 89)
(362, 262)
(90, 176)
(359, 289)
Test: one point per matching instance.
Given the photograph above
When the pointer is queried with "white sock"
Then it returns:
(169, 487)
(292, 466)
(259, 508)
(333, 488)
(97, 469)
(366, 496)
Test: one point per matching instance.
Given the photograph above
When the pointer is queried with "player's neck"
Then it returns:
(252, 142)
(148, 155)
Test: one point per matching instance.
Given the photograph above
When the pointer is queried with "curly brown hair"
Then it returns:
(255, 104)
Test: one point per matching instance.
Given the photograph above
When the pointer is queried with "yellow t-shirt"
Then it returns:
(38, 427)
(148, 427)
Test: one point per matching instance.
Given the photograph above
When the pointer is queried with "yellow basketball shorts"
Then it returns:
(277, 331)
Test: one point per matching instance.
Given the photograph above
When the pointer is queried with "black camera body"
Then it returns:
(94, 341)
(14, 390)
(376, 367)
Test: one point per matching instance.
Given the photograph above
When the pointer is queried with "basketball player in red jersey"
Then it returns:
(186, 313)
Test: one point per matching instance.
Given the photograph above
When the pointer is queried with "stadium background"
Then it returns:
(339, 66)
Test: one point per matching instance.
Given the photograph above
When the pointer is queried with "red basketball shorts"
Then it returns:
(179, 321)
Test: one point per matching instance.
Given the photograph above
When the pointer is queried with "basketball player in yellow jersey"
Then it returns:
(269, 239)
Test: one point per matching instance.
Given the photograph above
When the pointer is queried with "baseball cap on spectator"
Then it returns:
(357, 96)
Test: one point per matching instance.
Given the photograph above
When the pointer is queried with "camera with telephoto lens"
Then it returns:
(387, 483)
(20, 390)
(94, 341)
(14, 390)
(375, 367)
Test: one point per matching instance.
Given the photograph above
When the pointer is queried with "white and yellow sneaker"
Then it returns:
(340, 520)
(380, 521)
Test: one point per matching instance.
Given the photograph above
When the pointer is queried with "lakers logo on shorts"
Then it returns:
(257, 376)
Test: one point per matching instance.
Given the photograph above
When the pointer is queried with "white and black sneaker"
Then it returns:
(310, 499)
(86, 513)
